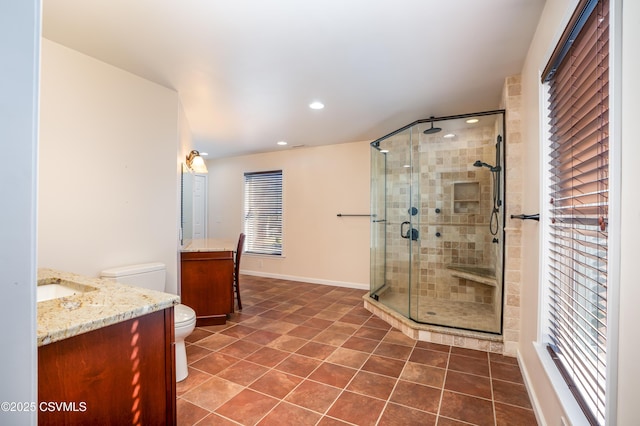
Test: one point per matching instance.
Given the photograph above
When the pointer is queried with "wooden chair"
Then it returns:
(236, 270)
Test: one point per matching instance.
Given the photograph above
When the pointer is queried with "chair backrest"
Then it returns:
(239, 253)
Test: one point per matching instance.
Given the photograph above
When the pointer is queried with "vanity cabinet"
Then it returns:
(119, 374)
(207, 285)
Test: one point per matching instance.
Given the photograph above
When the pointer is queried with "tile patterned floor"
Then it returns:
(304, 354)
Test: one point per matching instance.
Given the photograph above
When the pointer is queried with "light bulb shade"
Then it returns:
(196, 163)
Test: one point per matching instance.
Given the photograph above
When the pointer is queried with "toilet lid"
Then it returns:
(183, 313)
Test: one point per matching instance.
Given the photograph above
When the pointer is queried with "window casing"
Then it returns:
(263, 212)
(578, 167)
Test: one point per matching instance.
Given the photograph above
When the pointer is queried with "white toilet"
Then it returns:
(152, 276)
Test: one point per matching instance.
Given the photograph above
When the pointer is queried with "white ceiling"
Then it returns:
(246, 70)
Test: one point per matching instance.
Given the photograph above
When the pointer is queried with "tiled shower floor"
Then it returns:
(304, 354)
(449, 313)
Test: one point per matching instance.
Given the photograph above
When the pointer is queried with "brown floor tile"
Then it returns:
(314, 396)
(287, 343)
(288, 414)
(268, 357)
(213, 393)
(444, 421)
(507, 415)
(428, 357)
(189, 414)
(278, 327)
(348, 357)
(197, 334)
(242, 373)
(238, 331)
(333, 375)
(376, 322)
(274, 314)
(433, 346)
(470, 365)
(276, 383)
(304, 332)
(214, 363)
(360, 344)
(507, 372)
(357, 409)
(353, 319)
(423, 374)
(194, 378)
(398, 415)
(316, 350)
(331, 337)
(328, 421)
(240, 349)
(215, 420)
(298, 365)
(467, 408)
(511, 393)
(216, 341)
(469, 384)
(424, 398)
(247, 407)
(371, 384)
(386, 366)
(318, 323)
(503, 359)
(370, 333)
(469, 352)
(399, 338)
(195, 352)
(261, 337)
(343, 328)
(296, 319)
(392, 350)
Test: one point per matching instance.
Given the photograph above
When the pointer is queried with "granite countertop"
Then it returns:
(210, 244)
(104, 303)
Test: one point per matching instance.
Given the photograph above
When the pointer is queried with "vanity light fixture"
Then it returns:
(196, 163)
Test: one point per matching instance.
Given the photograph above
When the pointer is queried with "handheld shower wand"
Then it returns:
(479, 163)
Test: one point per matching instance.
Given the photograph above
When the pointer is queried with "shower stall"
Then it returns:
(437, 221)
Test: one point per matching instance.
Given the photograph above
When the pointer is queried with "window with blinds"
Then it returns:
(263, 212)
(578, 81)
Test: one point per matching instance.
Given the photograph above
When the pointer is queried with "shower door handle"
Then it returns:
(411, 232)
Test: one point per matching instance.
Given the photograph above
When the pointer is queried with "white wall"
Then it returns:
(552, 22)
(319, 183)
(108, 174)
(19, 56)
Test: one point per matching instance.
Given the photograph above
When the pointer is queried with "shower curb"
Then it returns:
(435, 334)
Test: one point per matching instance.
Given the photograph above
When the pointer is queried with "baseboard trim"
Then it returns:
(359, 286)
(532, 394)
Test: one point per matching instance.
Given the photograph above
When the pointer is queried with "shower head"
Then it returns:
(432, 130)
(479, 163)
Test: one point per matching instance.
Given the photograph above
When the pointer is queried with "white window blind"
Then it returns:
(578, 82)
(263, 212)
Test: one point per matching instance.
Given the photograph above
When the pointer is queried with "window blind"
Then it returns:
(578, 85)
(263, 212)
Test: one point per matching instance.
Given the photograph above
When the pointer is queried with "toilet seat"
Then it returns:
(183, 315)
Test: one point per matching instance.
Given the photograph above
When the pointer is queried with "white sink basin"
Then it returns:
(55, 291)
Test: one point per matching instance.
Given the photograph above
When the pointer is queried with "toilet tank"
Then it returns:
(145, 275)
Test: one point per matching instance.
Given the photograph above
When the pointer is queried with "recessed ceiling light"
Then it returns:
(472, 120)
(281, 143)
(384, 151)
(449, 135)
(316, 105)
(204, 154)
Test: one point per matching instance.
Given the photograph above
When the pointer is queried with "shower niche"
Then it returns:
(450, 170)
